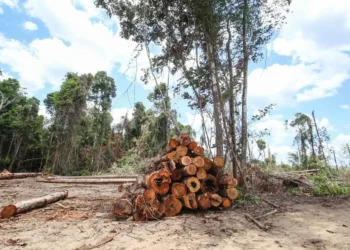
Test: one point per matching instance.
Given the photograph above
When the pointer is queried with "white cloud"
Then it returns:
(30, 26)
(9, 3)
(320, 63)
(118, 113)
(84, 41)
(345, 106)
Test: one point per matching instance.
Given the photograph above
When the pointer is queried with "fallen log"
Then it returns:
(173, 206)
(24, 206)
(7, 175)
(209, 184)
(192, 184)
(85, 181)
(190, 201)
(54, 177)
(178, 190)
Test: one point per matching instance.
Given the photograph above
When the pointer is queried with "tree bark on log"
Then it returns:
(209, 184)
(85, 181)
(192, 184)
(122, 208)
(204, 201)
(172, 206)
(178, 190)
(149, 195)
(28, 205)
(190, 201)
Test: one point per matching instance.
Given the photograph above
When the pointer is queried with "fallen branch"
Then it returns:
(85, 181)
(270, 203)
(267, 214)
(250, 218)
(92, 177)
(102, 242)
(7, 175)
(24, 206)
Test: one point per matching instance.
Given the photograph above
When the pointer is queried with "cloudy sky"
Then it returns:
(307, 64)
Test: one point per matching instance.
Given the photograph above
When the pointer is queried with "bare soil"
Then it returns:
(84, 219)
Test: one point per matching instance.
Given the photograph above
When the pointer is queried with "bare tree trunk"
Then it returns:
(319, 138)
(15, 154)
(218, 129)
(335, 159)
(245, 88)
(232, 106)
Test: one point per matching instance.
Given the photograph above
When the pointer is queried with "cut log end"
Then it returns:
(178, 190)
(181, 150)
(173, 143)
(189, 170)
(172, 206)
(219, 161)
(201, 174)
(192, 145)
(226, 203)
(204, 201)
(198, 161)
(176, 174)
(185, 160)
(198, 151)
(190, 201)
(149, 194)
(232, 193)
(215, 200)
(159, 181)
(209, 184)
(8, 211)
(192, 184)
(122, 209)
(208, 164)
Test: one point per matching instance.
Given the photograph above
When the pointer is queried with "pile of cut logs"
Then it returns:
(181, 179)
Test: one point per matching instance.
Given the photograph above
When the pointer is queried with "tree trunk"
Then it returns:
(245, 88)
(85, 181)
(318, 136)
(28, 205)
(219, 142)
(232, 105)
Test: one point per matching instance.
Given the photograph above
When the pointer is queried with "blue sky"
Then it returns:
(307, 64)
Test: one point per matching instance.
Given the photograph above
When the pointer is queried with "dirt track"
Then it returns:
(83, 219)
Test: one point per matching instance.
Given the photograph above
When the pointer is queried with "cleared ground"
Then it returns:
(83, 219)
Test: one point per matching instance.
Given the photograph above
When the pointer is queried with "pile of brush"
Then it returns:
(182, 178)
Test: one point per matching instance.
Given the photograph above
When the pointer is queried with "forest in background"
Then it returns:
(211, 44)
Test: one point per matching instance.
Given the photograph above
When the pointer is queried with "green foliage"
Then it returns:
(324, 186)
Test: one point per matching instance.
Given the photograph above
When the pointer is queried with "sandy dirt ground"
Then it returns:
(84, 219)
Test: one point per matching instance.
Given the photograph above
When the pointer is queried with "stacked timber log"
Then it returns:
(183, 178)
